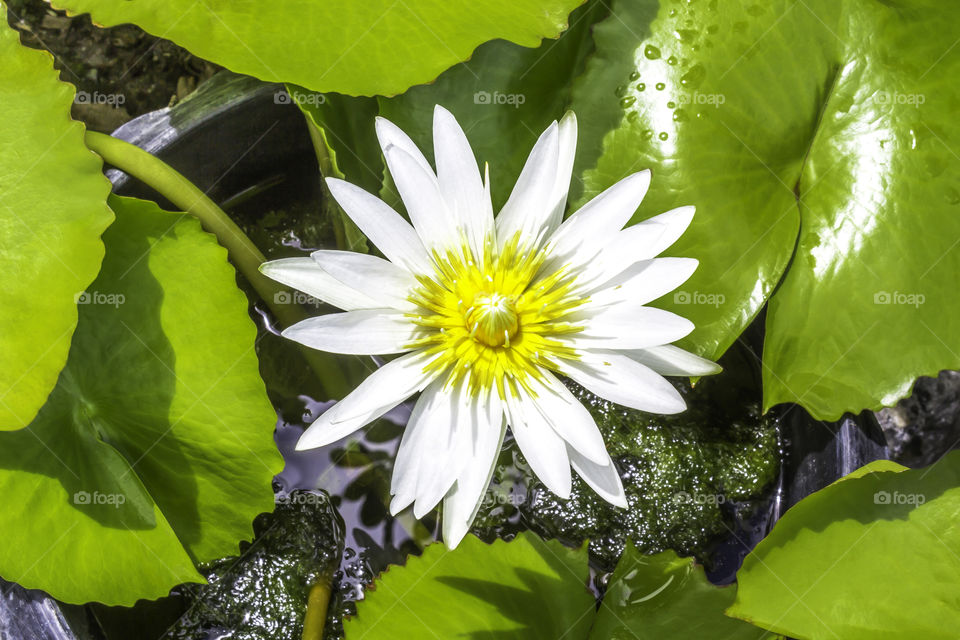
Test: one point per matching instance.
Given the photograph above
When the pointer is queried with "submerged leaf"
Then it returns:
(664, 597)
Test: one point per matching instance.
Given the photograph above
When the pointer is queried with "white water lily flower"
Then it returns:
(487, 311)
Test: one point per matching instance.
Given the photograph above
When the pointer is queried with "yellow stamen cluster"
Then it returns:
(494, 322)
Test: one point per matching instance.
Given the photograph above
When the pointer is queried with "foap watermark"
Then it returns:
(499, 498)
(114, 500)
(699, 297)
(702, 99)
(899, 297)
(485, 97)
(897, 498)
(682, 497)
(884, 98)
(295, 297)
(300, 498)
(110, 99)
(307, 98)
(98, 297)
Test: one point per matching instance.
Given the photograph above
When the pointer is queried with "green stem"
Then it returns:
(316, 615)
(245, 255)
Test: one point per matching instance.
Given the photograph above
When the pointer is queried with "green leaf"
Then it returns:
(357, 48)
(525, 589)
(53, 203)
(662, 597)
(772, 117)
(155, 449)
(877, 261)
(503, 97)
(871, 557)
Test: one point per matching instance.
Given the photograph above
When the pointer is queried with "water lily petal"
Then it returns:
(463, 500)
(445, 453)
(383, 389)
(638, 242)
(529, 208)
(360, 332)
(403, 483)
(625, 381)
(602, 478)
(390, 135)
(570, 419)
(668, 360)
(383, 226)
(588, 231)
(643, 282)
(425, 205)
(460, 182)
(629, 327)
(567, 148)
(380, 279)
(545, 451)
(305, 275)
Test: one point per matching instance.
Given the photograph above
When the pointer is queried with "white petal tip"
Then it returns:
(305, 444)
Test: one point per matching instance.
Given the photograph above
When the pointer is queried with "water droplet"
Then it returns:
(622, 89)
(913, 139)
(646, 134)
(628, 101)
(671, 105)
(713, 28)
(672, 13)
(952, 196)
(641, 87)
(755, 10)
(739, 27)
(663, 135)
(661, 86)
(679, 115)
(634, 76)
(651, 52)
(685, 35)
(633, 116)
(672, 60)
(692, 78)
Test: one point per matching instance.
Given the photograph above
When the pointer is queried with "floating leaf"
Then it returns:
(155, 449)
(53, 206)
(357, 48)
(873, 556)
(525, 589)
(778, 116)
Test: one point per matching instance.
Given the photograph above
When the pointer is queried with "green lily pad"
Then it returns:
(772, 117)
(874, 556)
(356, 48)
(664, 597)
(53, 203)
(155, 450)
(528, 588)
(531, 588)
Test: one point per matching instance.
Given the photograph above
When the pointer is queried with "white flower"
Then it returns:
(487, 312)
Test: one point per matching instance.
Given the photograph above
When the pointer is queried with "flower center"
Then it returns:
(492, 319)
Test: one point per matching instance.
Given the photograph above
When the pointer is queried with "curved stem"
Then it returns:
(316, 615)
(245, 255)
